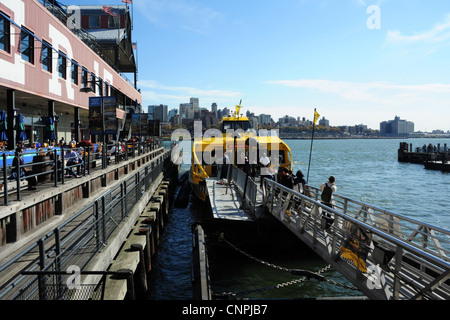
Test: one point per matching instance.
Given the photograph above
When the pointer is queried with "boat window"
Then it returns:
(282, 157)
(235, 125)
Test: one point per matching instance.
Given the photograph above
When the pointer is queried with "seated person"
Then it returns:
(24, 172)
(116, 150)
(71, 157)
(41, 164)
(80, 155)
(71, 160)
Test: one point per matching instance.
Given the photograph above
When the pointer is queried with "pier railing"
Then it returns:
(386, 255)
(67, 285)
(51, 165)
(79, 239)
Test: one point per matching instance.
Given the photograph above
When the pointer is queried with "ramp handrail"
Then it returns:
(367, 245)
(430, 238)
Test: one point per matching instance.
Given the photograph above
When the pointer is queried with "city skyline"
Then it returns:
(352, 59)
(395, 125)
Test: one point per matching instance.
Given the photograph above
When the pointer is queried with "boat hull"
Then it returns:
(198, 187)
(445, 167)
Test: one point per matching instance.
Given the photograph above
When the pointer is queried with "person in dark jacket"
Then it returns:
(299, 181)
(24, 172)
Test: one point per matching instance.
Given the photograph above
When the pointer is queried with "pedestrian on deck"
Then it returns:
(328, 188)
(287, 178)
(247, 168)
(264, 163)
(299, 182)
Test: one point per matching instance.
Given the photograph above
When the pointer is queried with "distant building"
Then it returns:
(265, 118)
(158, 112)
(396, 127)
(214, 109)
(324, 122)
(172, 113)
(253, 121)
(287, 121)
(226, 112)
(188, 110)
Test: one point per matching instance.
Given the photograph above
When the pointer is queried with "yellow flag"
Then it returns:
(316, 116)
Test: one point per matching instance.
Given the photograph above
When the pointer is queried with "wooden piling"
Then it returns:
(139, 248)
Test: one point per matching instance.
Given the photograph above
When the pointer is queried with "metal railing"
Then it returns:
(50, 165)
(77, 241)
(246, 187)
(377, 250)
(429, 238)
(75, 285)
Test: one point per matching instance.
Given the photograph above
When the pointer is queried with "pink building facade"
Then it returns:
(43, 66)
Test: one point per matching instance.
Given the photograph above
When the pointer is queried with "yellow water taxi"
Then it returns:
(240, 142)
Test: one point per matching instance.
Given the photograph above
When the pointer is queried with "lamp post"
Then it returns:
(102, 109)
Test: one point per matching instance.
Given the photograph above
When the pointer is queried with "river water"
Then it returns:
(365, 169)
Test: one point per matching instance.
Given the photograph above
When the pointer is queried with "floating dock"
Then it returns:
(432, 157)
(422, 154)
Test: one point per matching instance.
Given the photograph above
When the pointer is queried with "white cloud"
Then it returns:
(156, 93)
(369, 91)
(373, 102)
(439, 33)
(190, 91)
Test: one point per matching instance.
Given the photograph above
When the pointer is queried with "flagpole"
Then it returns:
(312, 139)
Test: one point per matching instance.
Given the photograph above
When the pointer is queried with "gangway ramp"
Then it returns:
(226, 202)
(387, 256)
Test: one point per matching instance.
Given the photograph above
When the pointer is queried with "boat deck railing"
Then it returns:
(384, 254)
(246, 187)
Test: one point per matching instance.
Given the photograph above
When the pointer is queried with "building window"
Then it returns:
(93, 82)
(107, 87)
(113, 22)
(46, 57)
(100, 87)
(5, 34)
(62, 65)
(27, 45)
(74, 72)
(84, 77)
(94, 22)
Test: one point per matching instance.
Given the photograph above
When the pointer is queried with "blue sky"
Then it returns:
(288, 57)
